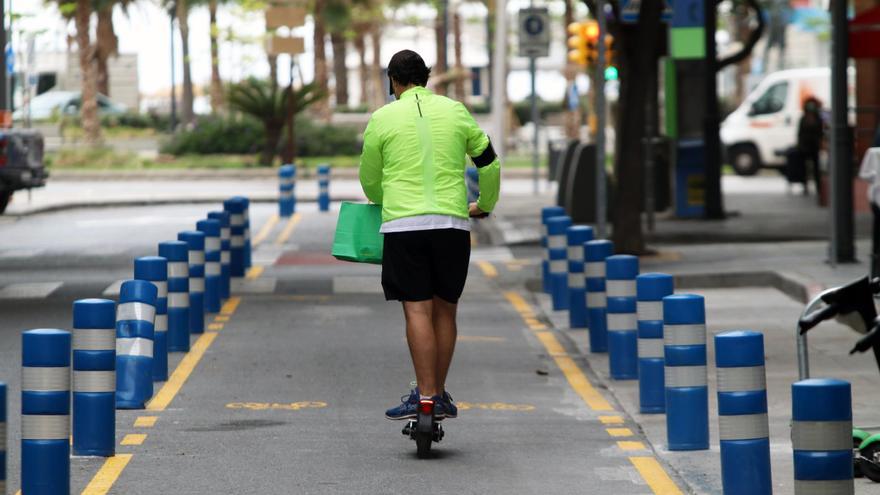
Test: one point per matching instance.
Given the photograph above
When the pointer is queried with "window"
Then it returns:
(772, 101)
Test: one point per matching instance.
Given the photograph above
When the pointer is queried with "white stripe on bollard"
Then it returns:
(136, 346)
(575, 253)
(821, 435)
(224, 257)
(594, 269)
(684, 334)
(685, 376)
(196, 257)
(94, 339)
(649, 310)
(236, 219)
(650, 348)
(45, 426)
(135, 311)
(212, 268)
(743, 379)
(3, 436)
(197, 284)
(557, 242)
(161, 323)
(622, 321)
(743, 426)
(178, 299)
(237, 241)
(39, 379)
(620, 288)
(558, 266)
(597, 300)
(576, 280)
(94, 381)
(161, 288)
(178, 269)
(212, 243)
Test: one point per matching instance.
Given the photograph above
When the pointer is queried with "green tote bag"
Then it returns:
(357, 233)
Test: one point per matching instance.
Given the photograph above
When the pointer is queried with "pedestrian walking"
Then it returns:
(413, 164)
(811, 131)
(870, 171)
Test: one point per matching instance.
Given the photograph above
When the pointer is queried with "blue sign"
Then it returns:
(10, 61)
(629, 11)
(687, 13)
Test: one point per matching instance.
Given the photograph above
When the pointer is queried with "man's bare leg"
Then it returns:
(422, 344)
(445, 331)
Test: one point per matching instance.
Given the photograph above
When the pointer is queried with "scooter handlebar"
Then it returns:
(869, 340)
(809, 321)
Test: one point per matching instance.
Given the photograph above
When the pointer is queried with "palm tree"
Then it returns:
(320, 38)
(216, 83)
(337, 16)
(271, 105)
(82, 13)
(107, 44)
(181, 9)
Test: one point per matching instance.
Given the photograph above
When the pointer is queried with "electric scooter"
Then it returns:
(425, 429)
(852, 305)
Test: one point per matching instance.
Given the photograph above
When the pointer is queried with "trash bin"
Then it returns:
(690, 179)
(556, 151)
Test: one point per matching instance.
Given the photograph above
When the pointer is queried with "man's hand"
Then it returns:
(475, 212)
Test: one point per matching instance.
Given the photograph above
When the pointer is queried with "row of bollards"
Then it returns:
(659, 338)
(119, 350)
(287, 189)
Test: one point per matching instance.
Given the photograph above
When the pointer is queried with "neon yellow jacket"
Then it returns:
(413, 159)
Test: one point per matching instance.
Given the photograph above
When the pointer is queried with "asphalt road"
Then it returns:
(286, 391)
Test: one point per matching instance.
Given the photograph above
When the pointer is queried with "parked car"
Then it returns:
(51, 103)
(21, 162)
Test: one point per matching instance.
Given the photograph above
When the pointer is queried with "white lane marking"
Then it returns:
(357, 285)
(135, 221)
(29, 290)
(112, 290)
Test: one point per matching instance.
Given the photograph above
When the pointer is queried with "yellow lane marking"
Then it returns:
(576, 378)
(221, 318)
(655, 476)
(263, 406)
(663, 256)
(133, 439)
(146, 421)
(110, 471)
(473, 239)
(254, 272)
(494, 406)
(619, 432)
(631, 445)
(265, 230)
(181, 373)
(519, 303)
(230, 306)
(488, 269)
(288, 229)
(215, 326)
(479, 338)
(611, 420)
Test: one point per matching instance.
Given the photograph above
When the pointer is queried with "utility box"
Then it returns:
(690, 178)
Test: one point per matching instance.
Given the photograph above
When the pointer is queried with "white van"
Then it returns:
(767, 120)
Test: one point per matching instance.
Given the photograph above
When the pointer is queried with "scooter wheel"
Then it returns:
(870, 461)
(423, 444)
(857, 464)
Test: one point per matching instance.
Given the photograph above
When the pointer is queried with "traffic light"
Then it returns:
(591, 32)
(610, 58)
(582, 42)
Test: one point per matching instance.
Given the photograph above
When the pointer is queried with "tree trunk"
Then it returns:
(628, 167)
(742, 32)
(186, 104)
(89, 107)
(459, 67)
(360, 44)
(273, 68)
(322, 108)
(216, 83)
(439, 69)
(273, 136)
(106, 46)
(378, 94)
(340, 71)
(572, 117)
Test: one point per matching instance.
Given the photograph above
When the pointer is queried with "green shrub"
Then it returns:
(314, 139)
(213, 135)
(137, 121)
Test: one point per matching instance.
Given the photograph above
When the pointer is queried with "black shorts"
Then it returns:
(418, 265)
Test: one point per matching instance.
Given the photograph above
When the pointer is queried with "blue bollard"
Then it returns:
(684, 354)
(236, 207)
(177, 254)
(211, 229)
(547, 213)
(94, 377)
(134, 344)
(651, 288)
(225, 280)
(2, 438)
(576, 236)
(595, 253)
(248, 261)
(45, 412)
(821, 436)
(286, 190)
(324, 187)
(154, 269)
(742, 413)
(620, 286)
(558, 253)
(472, 179)
(195, 241)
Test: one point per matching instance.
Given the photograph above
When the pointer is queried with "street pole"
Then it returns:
(842, 248)
(173, 119)
(4, 81)
(714, 200)
(601, 193)
(535, 117)
(499, 80)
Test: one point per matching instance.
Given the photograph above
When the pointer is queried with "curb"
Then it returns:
(254, 173)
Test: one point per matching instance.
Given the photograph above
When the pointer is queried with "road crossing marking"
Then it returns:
(107, 475)
(288, 229)
(488, 269)
(265, 230)
(611, 420)
(654, 474)
(146, 421)
(619, 432)
(133, 439)
(631, 445)
(29, 290)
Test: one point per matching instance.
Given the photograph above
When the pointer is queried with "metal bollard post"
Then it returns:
(236, 207)
(324, 187)
(620, 286)
(134, 344)
(154, 269)
(223, 218)
(211, 229)
(651, 288)
(2, 438)
(45, 412)
(472, 179)
(547, 213)
(595, 253)
(195, 242)
(558, 253)
(287, 185)
(177, 254)
(684, 354)
(94, 377)
(742, 413)
(577, 235)
(821, 436)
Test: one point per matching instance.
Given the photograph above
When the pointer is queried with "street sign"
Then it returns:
(277, 17)
(629, 11)
(534, 32)
(277, 45)
(10, 61)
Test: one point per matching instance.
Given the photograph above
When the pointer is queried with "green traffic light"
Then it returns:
(611, 73)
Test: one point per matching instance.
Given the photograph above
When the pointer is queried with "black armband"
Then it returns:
(486, 157)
